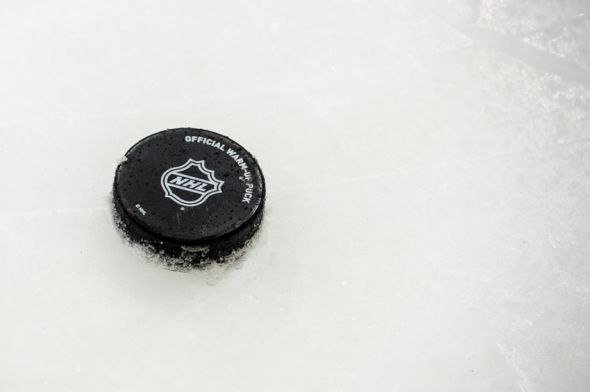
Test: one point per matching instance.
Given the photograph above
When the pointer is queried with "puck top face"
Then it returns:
(189, 186)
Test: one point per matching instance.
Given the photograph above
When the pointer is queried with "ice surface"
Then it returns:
(428, 195)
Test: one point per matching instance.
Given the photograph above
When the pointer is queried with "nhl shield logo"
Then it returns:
(191, 184)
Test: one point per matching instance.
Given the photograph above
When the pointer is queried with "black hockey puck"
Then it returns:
(192, 195)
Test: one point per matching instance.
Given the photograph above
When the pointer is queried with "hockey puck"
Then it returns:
(191, 195)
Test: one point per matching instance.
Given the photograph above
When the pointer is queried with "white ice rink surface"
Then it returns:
(428, 170)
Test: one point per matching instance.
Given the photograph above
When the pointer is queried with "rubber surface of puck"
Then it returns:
(189, 194)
